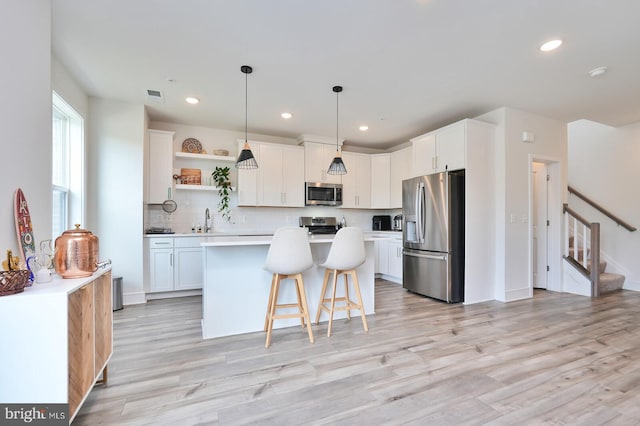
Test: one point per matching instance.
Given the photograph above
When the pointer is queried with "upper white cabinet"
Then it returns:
(451, 146)
(160, 167)
(380, 181)
(440, 150)
(279, 179)
(281, 176)
(356, 184)
(401, 162)
(317, 158)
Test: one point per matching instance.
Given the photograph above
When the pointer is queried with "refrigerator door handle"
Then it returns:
(420, 212)
(425, 256)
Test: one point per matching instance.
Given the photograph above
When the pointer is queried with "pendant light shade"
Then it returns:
(337, 166)
(246, 160)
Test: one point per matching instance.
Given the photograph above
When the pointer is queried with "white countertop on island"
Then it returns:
(257, 240)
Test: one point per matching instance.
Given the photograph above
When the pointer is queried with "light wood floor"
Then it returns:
(554, 359)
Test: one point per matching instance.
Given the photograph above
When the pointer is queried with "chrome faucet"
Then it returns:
(207, 220)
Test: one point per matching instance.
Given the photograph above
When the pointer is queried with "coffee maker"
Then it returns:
(397, 222)
(381, 223)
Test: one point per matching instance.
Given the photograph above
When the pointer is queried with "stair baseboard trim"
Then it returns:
(633, 285)
(573, 281)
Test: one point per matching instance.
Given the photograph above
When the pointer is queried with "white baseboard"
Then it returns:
(171, 294)
(518, 294)
(134, 298)
(396, 280)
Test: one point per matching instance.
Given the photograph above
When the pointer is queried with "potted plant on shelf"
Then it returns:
(222, 180)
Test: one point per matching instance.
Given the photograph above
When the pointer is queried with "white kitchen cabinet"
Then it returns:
(380, 181)
(317, 158)
(174, 264)
(160, 264)
(451, 147)
(187, 255)
(160, 165)
(424, 154)
(248, 178)
(382, 257)
(395, 259)
(279, 179)
(280, 176)
(356, 184)
(401, 169)
(440, 150)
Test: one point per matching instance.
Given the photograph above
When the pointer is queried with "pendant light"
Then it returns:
(246, 160)
(337, 166)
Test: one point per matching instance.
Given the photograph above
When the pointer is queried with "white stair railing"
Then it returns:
(586, 241)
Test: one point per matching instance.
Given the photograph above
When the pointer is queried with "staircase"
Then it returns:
(607, 282)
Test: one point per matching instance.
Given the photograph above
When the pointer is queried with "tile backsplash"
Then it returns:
(192, 206)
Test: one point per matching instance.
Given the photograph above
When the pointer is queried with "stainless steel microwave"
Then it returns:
(322, 194)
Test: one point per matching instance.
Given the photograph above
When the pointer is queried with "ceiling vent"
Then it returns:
(155, 95)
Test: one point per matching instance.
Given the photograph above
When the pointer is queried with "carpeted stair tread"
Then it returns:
(603, 266)
(610, 282)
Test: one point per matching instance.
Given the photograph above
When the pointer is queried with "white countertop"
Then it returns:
(56, 286)
(258, 240)
(259, 233)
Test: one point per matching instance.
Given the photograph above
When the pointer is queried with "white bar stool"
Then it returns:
(289, 255)
(345, 255)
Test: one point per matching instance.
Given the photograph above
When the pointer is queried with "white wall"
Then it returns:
(65, 85)
(114, 188)
(25, 116)
(512, 198)
(604, 164)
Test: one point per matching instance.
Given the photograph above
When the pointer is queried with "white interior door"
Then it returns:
(540, 225)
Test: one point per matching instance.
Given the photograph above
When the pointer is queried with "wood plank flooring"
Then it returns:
(555, 359)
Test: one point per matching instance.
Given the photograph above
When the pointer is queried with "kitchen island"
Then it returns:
(236, 285)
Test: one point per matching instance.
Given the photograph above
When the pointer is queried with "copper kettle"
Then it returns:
(77, 254)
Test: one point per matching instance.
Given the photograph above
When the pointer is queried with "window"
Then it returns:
(67, 167)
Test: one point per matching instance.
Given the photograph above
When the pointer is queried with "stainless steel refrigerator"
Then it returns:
(433, 235)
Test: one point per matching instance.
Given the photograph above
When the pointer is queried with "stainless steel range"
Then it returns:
(319, 225)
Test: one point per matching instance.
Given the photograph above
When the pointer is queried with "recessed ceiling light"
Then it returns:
(364, 128)
(596, 72)
(550, 45)
(192, 100)
(286, 115)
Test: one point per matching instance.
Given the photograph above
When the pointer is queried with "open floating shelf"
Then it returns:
(205, 157)
(200, 187)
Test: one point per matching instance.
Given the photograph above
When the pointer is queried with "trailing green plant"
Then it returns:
(222, 179)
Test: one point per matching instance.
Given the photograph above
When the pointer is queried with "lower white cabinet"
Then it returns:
(389, 258)
(382, 257)
(188, 267)
(395, 259)
(174, 264)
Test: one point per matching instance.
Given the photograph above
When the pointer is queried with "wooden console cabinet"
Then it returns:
(57, 342)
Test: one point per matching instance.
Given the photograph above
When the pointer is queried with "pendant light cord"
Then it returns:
(337, 115)
(246, 97)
